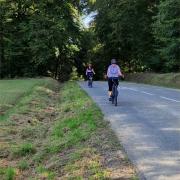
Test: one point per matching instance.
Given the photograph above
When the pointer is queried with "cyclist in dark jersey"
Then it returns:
(89, 71)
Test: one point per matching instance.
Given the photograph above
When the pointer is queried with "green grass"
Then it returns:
(166, 79)
(23, 165)
(7, 173)
(73, 130)
(12, 93)
(10, 174)
(45, 173)
(24, 149)
(86, 160)
(11, 90)
(77, 120)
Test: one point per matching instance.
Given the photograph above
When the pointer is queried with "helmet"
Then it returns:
(113, 61)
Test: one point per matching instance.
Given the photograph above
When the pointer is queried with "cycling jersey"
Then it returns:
(114, 71)
(89, 72)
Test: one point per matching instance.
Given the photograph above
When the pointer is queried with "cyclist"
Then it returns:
(89, 71)
(113, 74)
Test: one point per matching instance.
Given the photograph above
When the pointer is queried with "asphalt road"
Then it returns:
(147, 123)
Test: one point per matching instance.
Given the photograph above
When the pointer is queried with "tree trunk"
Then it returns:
(56, 68)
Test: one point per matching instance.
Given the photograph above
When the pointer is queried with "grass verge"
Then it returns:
(168, 80)
(57, 132)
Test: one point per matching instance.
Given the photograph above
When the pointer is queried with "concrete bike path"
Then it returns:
(147, 122)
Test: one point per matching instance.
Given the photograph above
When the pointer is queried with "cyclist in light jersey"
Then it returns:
(113, 73)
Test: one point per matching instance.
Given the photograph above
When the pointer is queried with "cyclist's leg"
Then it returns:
(115, 95)
(116, 81)
(88, 79)
(116, 91)
(91, 79)
(110, 84)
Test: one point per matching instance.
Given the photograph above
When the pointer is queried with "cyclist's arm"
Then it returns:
(119, 72)
(108, 72)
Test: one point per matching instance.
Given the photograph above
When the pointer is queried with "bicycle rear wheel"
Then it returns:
(112, 96)
(90, 81)
(115, 96)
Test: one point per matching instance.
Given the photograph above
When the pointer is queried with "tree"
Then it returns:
(124, 28)
(42, 38)
(2, 9)
(167, 33)
(3, 36)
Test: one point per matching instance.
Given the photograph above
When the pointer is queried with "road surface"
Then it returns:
(147, 122)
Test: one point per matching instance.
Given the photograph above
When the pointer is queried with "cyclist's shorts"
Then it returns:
(89, 74)
(110, 82)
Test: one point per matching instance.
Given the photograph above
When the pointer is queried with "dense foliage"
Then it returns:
(167, 33)
(143, 35)
(124, 30)
(38, 37)
(47, 37)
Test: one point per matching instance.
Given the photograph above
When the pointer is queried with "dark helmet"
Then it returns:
(113, 61)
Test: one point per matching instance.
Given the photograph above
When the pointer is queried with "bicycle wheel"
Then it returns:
(91, 82)
(115, 96)
(112, 96)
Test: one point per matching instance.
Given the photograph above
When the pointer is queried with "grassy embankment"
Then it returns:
(53, 131)
(11, 92)
(167, 80)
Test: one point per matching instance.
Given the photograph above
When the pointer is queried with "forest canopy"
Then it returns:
(47, 38)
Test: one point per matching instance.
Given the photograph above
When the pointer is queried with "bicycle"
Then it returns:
(90, 81)
(114, 92)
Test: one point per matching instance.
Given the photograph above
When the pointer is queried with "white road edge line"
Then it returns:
(129, 89)
(169, 99)
(147, 93)
(144, 92)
